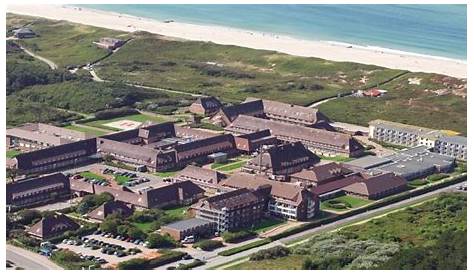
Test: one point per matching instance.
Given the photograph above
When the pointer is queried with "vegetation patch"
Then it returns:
(208, 245)
(343, 203)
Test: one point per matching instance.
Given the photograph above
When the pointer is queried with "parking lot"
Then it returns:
(102, 243)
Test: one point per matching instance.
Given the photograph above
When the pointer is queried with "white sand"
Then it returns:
(257, 40)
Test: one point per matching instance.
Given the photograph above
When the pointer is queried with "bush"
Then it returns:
(437, 177)
(90, 202)
(160, 241)
(191, 265)
(271, 253)
(235, 237)
(28, 216)
(142, 263)
(208, 245)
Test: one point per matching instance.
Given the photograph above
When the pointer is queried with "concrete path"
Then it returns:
(29, 260)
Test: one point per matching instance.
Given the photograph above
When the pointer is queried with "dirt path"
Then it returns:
(50, 63)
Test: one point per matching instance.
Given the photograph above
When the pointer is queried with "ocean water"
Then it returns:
(438, 30)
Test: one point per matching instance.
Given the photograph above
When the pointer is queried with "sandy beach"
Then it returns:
(251, 39)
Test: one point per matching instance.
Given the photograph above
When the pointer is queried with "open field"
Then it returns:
(96, 132)
(383, 242)
(135, 117)
(268, 224)
(407, 103)
(64, 43)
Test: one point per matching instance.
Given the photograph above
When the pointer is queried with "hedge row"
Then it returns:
(239, 249)
(143, 264)
(235, 237)
(191, 265)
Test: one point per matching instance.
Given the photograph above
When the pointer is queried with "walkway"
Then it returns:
(29, 260)
(50, 63)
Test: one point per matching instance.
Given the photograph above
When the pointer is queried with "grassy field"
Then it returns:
(164, 174)
(291, 262)
(62, 42)
(227, 167)
(90, 175)
(145, 227)
(336, 158)
(178, 212)
(13, 153)
(234, 73)
(135, 117)
(404, 103)
(96, 132)
(267, 224)
(349, 202)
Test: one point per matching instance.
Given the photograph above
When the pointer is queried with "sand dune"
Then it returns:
(258, 40)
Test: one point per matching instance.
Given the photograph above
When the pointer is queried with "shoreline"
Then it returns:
(329, 50)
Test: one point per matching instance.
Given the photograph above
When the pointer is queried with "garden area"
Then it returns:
(344, 203)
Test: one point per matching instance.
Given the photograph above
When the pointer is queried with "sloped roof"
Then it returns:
(336, 184)
(230, 200)
(248, 124)
(149, 131)
(209, 102)
(279, 157)
(323, 172)
(200, 173)
(109, 208)
(28, 186)
(244, 108)
(376, 184)
(52, 225)
(287, 191)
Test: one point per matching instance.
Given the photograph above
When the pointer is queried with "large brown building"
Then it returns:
(38, 136)
(294, 114)
(56, 158)
(203, 177)
(179, 193)
(319, 141)
(159, 147)
(280, 161)
(52, 226)
(251, 142)
(38, 190)
(205, 106)
(287, 200)
(109, 208)
(377, 187)
(226, 115)
(233, 210)
(320, 174)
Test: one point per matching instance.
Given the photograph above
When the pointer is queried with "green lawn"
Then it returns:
(349, 202)
(267, 224)
(232, 166)
(336, 158)
(164, 174)
(145, 227)
(90, 175)
(96, 132)
(135, 117)
(120, 179)
(179, 212)
(13, 153)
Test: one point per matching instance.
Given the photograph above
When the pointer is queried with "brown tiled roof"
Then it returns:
(122, 135)
(164, 128)
(209, 102)
(109, 208)
(321, 173)
(285, 155)
(33, 185)
(201, 174)
(247, 108)
(52, 226)
(143, 153)
(231, 200)
(47, 134)
(286, 191)
(194, 133)
(224, 141)
(304, 115)
(377, 184)
(247, 124)
(336, 184)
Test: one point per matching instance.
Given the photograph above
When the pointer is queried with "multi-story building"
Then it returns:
(38, 190)
(205, 106)
(280, 161)
(233, 210)
(319, 141)
(294, 114)
(441, 141)
(320, 174)
(38, 136)
(255, 141)
(203, 177)
(52, 226)
(286, 200)
(57, 157)
(190, 227)
(226, 115)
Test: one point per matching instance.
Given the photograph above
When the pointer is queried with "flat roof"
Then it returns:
(187, 224)
(369, 161)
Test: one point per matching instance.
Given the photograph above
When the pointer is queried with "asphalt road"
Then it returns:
(219, 260)
(29, 260)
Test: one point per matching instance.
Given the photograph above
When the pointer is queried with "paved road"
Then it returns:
(29, 260)
(212, 262)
